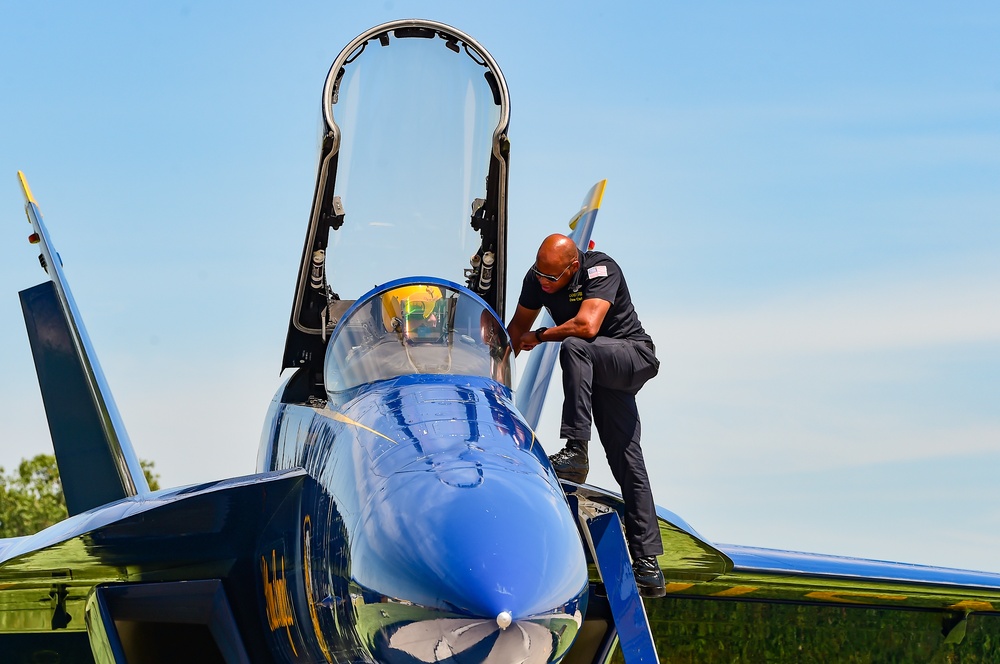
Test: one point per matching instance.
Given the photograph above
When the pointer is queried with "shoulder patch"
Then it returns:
(597, 271)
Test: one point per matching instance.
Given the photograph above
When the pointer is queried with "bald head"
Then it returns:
(556, 262)
(556, 249)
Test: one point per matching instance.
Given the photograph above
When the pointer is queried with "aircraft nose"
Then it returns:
(490, 548)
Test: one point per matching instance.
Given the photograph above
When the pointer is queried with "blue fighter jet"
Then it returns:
(404, 509)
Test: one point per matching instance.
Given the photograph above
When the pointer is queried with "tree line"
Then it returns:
(31, 498)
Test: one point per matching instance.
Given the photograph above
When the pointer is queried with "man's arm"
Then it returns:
(519, 325)
(585, 325)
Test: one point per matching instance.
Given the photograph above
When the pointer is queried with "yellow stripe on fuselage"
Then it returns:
(340, 417)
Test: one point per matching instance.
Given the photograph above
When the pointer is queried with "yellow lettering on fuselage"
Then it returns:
(277, 602)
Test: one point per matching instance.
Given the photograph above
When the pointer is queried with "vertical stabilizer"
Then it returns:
(96, 461)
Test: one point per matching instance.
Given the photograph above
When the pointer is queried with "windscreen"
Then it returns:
(417, 328)
(417, 116)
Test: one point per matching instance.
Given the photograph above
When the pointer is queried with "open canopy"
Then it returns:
(412, 175)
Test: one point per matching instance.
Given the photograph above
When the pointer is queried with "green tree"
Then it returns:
(32, 498)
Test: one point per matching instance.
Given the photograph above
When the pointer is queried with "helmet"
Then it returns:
(415, 312)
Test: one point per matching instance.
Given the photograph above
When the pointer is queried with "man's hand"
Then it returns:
(528, 340)
(520, 326)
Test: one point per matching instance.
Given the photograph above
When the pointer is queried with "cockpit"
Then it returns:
(421, 326)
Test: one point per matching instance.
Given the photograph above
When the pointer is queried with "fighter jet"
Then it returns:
(403, 508)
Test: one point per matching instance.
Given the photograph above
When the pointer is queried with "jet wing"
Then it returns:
(729, 603)
(788, 606)
(191, 558)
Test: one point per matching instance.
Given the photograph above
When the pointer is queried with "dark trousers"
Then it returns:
(601, 377)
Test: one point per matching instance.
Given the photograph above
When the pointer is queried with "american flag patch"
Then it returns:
(599, 271)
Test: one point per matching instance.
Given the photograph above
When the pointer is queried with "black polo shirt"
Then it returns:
(598, 277)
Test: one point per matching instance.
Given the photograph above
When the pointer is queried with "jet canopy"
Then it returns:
(412, 175)
(417, 326)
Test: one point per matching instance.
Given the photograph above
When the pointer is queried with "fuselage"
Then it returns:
(434, 527)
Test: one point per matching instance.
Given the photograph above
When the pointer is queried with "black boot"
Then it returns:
(571, 463)
(648, 577)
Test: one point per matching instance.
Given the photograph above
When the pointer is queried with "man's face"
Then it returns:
(553, 273)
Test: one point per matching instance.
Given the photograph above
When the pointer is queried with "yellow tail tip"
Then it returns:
(28, 197)
(592, 201)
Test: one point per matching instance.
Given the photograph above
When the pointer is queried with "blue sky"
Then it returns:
(805, 198)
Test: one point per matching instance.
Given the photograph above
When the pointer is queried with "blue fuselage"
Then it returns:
(432, 503)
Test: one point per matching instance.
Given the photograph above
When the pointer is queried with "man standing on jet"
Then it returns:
(606, 357)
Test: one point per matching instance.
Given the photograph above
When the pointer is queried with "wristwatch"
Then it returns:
(538, 334)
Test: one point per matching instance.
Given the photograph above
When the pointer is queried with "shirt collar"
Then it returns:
(575, 283)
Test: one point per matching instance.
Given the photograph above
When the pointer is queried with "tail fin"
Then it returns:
(97, 464)
(534, 383)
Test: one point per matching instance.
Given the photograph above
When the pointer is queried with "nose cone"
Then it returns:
(496, 551)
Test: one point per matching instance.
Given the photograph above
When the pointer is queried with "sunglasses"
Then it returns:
(549, 277)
